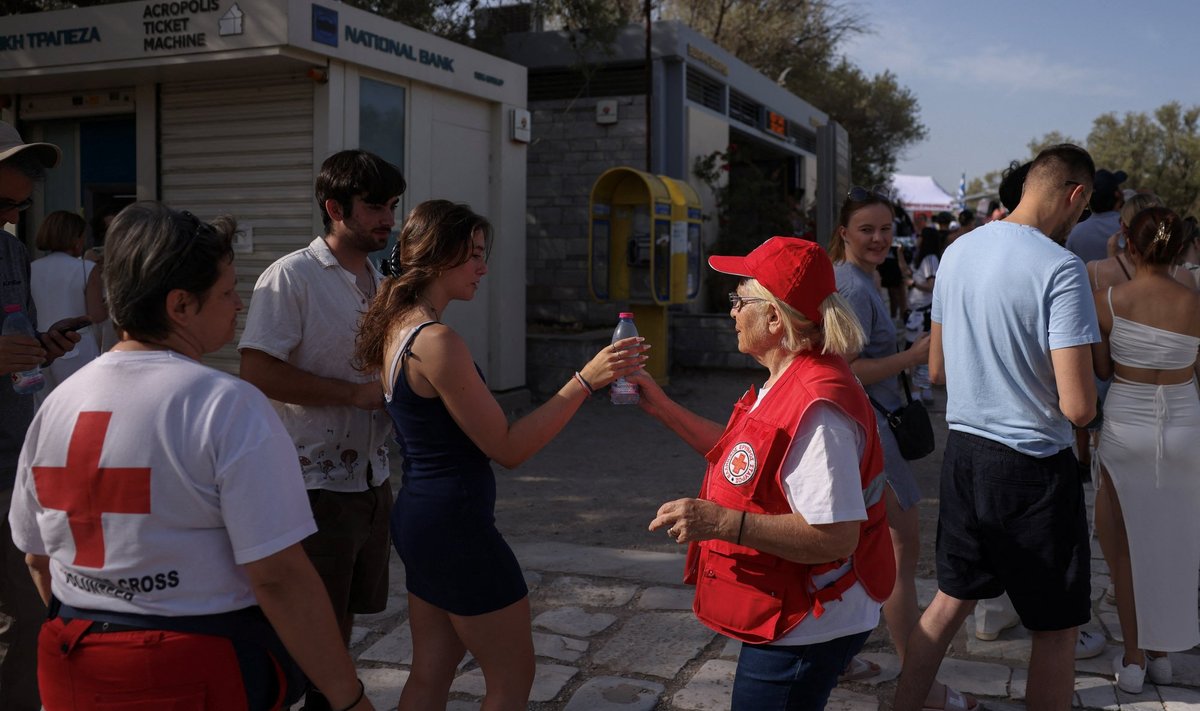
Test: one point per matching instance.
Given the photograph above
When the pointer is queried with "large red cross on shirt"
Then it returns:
(85, 490)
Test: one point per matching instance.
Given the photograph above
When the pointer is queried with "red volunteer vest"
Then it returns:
(757, 597)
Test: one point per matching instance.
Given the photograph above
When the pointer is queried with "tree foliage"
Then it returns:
(796, 42)
(1159, 151)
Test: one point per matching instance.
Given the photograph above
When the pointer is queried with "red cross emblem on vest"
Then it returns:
(86, 491)
(741, 464)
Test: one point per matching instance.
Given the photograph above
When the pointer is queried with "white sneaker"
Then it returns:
(1159, 669)
(1130, 677)
(993, 617)
(1088, 645)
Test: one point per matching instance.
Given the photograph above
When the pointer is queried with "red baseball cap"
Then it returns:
(794, 270)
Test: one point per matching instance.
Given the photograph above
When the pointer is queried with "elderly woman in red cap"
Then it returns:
(788, 542)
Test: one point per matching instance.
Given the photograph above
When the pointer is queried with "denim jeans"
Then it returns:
(791, 678)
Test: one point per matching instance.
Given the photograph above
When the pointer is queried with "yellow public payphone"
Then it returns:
(644, 248)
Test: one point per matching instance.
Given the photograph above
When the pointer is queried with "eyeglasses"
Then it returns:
(738, 301)
(6, 205)
(860, 194)
(1087, 212)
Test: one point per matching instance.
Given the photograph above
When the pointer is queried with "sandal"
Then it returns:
(955, 701)
(859, 669)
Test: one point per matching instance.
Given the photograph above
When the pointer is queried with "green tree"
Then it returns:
(1159, 151)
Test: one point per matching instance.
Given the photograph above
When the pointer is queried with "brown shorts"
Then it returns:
(350, 549)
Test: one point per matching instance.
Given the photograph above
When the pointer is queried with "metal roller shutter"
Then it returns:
(242, 147)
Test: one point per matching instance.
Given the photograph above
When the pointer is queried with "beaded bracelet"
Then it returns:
(362, 691)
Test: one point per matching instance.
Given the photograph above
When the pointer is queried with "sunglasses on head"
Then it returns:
(6, 205)
(860, 194)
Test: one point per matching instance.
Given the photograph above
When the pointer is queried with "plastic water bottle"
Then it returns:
(16, 323)
(623, 392)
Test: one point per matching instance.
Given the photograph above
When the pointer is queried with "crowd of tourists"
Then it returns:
(182, 538)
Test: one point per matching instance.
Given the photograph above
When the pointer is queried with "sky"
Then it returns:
(992, 76)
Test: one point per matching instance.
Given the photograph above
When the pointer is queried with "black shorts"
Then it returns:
(1010, 522)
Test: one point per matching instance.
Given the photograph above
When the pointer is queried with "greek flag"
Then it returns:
(962, 192)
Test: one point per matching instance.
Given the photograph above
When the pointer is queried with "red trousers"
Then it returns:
(139, 670)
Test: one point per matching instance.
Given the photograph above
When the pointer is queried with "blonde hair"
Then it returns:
(1136, 204)
(840, 332)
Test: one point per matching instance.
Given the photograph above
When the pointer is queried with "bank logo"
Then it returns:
(324, 25)
(741, 464)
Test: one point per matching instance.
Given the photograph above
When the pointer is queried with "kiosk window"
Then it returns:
(381, 120)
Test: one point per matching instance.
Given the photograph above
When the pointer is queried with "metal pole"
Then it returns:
(649, 90)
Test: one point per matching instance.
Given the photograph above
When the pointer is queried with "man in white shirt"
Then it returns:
(298, 348)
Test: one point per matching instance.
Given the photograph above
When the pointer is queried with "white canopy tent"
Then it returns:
(921, 193)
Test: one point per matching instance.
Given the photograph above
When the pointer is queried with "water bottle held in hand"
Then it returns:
(16, 323)
(623, 392)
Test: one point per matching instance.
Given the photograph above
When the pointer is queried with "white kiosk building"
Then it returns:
(230, 107)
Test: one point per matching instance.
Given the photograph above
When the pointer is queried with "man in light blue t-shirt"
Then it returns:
(1013, 324)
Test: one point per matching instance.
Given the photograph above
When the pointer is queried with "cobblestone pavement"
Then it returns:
(613, 629)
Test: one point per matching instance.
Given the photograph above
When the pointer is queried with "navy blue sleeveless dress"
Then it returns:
(443, 522)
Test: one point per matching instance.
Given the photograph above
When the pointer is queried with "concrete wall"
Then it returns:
(568, 153)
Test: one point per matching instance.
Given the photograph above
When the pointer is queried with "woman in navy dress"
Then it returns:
(465, 588)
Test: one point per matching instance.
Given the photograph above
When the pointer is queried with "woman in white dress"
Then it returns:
(65, 286)
(1150, 483)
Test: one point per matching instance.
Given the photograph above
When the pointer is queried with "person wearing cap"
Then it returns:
(1012, 326)
(22, 166)
(787, 541)
(1089, 239)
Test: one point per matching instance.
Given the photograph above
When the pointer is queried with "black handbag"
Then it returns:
(910, 424)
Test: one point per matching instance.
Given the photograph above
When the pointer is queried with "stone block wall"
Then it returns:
(706, 341)
(568, 153)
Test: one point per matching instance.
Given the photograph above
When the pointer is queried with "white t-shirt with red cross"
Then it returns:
(149, 479)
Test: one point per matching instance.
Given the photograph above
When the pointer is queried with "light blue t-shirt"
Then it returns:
(1006, 295)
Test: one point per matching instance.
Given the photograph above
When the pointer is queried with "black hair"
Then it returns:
(152, 250)
(347, 174)
(1012, 181)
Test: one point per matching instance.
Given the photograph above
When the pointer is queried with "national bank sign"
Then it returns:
(325, 31)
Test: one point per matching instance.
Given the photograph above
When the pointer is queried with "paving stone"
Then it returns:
(926, 589)
(395, 647)
(558, 647)
(1099, 566)
(574, 621)
(1014, 643)
(533, 579)
(611, 693)
(1016, 685)
(846, 700)
(1101, 663)
(889, 667)
(1096, 693)
(664, 598)
(1186, 669)
(645, 566)
(655, 643)
(383, 686)
(548, 681)
(709, 689)
(1146, 701)
(569, 590)
(358, 634)
(1113, 624)
(460, 705)
(731, 650)
(980, 678)
(1179, 699)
